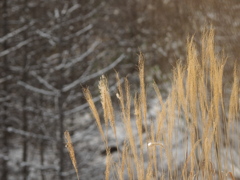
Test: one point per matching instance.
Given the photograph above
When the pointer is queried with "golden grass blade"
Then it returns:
(70, 149)
(120, 94)
(138, 116)
(107, 104)
(234, 103)
(94, 110)
(108, 164)
(142, 89)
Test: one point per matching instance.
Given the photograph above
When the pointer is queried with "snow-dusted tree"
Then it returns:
(64, 53)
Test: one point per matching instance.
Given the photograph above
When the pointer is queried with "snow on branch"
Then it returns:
(78, 33)
(67, 11)
(80, 58)
(18, 46)
(73, 8)
(36, 90)
(14, 33)
(51, 39)
(93, 12)
(78, 18)
(104, 70)
(29, 134)
(94, 75)
(84, 55)
(2, 80)
(44, 82)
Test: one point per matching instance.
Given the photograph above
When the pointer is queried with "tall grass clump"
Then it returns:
(195, 131)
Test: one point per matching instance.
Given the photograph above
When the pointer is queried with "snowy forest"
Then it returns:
(51, 50)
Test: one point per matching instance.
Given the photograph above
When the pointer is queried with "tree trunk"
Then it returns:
(24, 100)
(42, 158)
(5, 90)
(60, 103)
(25, 140)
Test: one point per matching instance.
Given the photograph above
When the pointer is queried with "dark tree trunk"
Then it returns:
(5, 90)
(61, 81)
(25, 120)
(42, 144)
(25, 140)
(24, 99)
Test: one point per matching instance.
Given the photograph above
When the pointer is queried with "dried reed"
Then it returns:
(196, 108)
(70, 149)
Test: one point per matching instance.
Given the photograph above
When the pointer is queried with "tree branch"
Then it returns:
(94, 75)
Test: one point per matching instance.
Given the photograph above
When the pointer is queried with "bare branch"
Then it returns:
(80, 58)
(18, 46)
(2, 80)
(51, 39)
(73, 8)
(78, 18)
(37, 90)
(78, 33)
(94, 75)
(14, 33)
(52, 57)
(29, 134)
(44, 82)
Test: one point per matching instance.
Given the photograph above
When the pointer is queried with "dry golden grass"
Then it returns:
(70, 149)
(196, 109)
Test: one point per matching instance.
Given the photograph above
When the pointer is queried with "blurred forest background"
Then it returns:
(50, 50)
